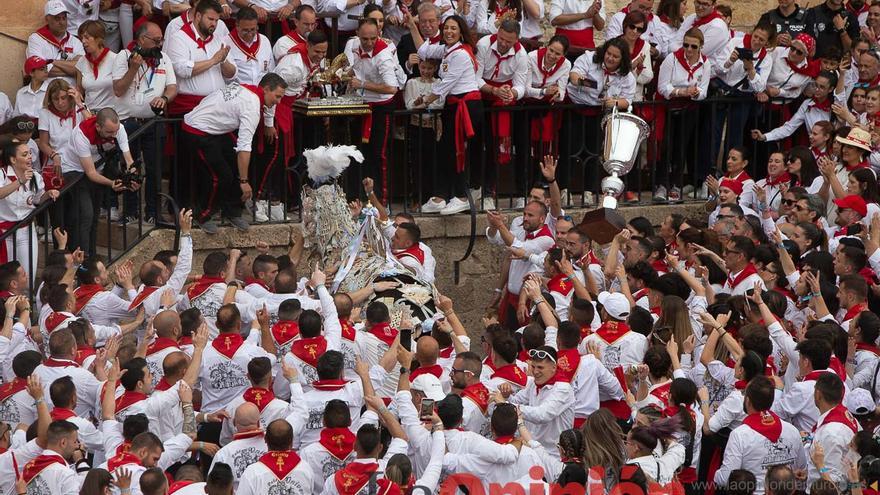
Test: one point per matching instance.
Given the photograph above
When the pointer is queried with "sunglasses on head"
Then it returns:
(541, 354)
(690, 45)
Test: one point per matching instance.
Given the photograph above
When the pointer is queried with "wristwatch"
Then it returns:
(243, 181)
(404, 370)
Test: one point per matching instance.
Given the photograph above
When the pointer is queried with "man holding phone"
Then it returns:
(832, 25)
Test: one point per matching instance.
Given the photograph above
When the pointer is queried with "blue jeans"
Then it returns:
(148, 146)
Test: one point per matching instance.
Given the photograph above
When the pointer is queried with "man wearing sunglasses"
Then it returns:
(465, 376)
(546, 404)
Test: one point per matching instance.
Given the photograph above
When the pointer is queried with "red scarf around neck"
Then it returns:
(202, 285)
(47, 35)
(160, 344)
(478, 394)
(15, 386)
(250, 51)
(839, 414)
(95, 62)
(36, 466)
(567, 364)
(190, 31)
(749, 270)
(384, 332)
(280, 463)
(284, 331)
(308, 350)
(259, 397)
(511, 373)
(141, 297)
(83, 294)
(612, 331)
(227, 344)
(766, 423)
(545, 73)
(702, 21)
(339, 442)
(690, 69)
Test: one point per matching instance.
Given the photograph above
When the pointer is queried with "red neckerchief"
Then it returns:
(744, 274)
(661, 392)
(567, 364)
(824, 105)
(857, 13)
(90, 131)
(637, 48)
(478, 394)
(280, 463)
(160, 344)
(250, 52)
(250, 280)
(489, 364)
(869, 275)
(640, 294)
(467, 49)
(511, 373)
(766, 423)
(545, 74)
(839, 414)
(83, 352)
(434, 39)
(504, 439)
(59, 363)
(54, 320)
(544, 231)
(813, 375)
(817, 153)
(182, 341)
(39, 463)
(673, 410)
(257, 90)
(124, 447)
(203, 284)
(843, 231)
(783, 178)
(660, 266)
(523, 355)
(837, 367)
(612, 331)
(339, 442)
(741, 177)
(857, 166)
(740, 384)
(94, 63)
(121, 460)
(413, 251)
(785, 292)
(861, 346)
(353, 477)
(498, 57)
(248, 434)
(377, 48)
(303, 50)
(384, 332)
(284, 331)
(259, 397)
(702, 21)
(190, 31)
(15, 386)
(163, 385)
(854, 310)
(811, 68)
(139, 299)
(770, 367)
(447, 352)
(560, 285)
(348, 331)
(50, 38)
(873, 82)
(71, 114)
(60, 413)
(308, 350)
(586, 331)
(690, 69)
(435, 370)
(128, 399)
(177, 485)
(591, 259)
(296, 37)
(84, 294)
(329, 385)
(227, 344)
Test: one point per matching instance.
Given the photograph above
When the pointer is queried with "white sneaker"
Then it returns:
(276, 212)
(660, 194)
(519, 203)
(477, 193)
(261, 209)
(563, 196)
(434, 205)
(455, 205)
(704, 191)
(488, 204)
(114, 214)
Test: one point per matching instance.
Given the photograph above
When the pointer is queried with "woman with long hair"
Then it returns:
(98, 482)
(674, 315)
(460, 87)
(641, 443)
(683, 406)
(671, 14)
(801, 165)
(809, 238)
(603, 445)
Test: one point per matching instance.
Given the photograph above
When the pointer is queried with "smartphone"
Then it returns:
(426, 410)
(406, 338)
(589, 83)
(745, 53)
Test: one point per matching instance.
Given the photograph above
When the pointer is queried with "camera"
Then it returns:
(147, 53)
(131, 175)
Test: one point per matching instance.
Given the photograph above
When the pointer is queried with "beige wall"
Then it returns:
(19, 18)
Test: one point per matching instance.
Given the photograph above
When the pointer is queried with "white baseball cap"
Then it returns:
(54, 7)
(430, 386)
(615, 304)
(858, 401)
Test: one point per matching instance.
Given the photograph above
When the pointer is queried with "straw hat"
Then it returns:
(858, 138)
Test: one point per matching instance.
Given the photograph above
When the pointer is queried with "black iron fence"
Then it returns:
(687, 142)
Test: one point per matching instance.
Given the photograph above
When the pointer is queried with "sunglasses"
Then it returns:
(797, 51)
(692, 46)
(541, 355)
(788, 202)
(640, 29)
(722, 217)
(800, 207)
(567, 218)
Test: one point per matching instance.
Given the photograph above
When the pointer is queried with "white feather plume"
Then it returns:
(328, 162)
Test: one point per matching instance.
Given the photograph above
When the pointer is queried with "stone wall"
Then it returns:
(447, 236)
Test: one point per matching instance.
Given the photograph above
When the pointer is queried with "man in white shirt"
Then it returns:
(259, 372)
(168, 330)
(280, 470)
(716, 33)
(99, 306)
(305, 21)
(144, 83)
(16, 404)
(797, 403)
(834, 431)
(274, 15)
(49, 471)
(157, 279)
(250, 51)
(247, 445)
(546, 404)
(144, 453)
(54, 43)
(208, 127)
(741, 273)
(63, 394)
(763, 440)
(465, 375)
(14, 458)
(335, 448)
(199, 58)
(62, 349)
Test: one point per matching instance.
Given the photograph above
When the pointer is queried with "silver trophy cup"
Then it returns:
(624, 133)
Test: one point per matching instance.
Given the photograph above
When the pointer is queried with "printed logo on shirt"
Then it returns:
(9, 412)
(38, 486)
(244, 458)
(611, 356)
(286, 486)
(330, 465)
(208, 306)
(777, 453)
(227, 375)
(316, 419)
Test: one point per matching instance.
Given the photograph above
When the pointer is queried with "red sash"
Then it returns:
(435, 370)
(612, 331)
(309, 350)
(4, 226)
(284, 331)
(619, 408)
(413, 251)
(160, 344)
(60, 413)
(744, 274)
(15, 386)
(384, 332)
(184, 103)
(199, 288)
(511, 373)
(259, 397)
(478, 394)
(94, 63)
(39, 463)
(567, 364)
(464, 128)
(83, 352)
(121, 460)
(839, 414)
(227, 344)
(139, 299)
(250, 52)
(339, 442)
(83, 294)
(766, 423)
(280, 463)
(128, 399)
(579, 38)
(560, 285)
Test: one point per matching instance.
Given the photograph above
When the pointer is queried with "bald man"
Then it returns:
(247, 445)
(427, 354)
(168, 330)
